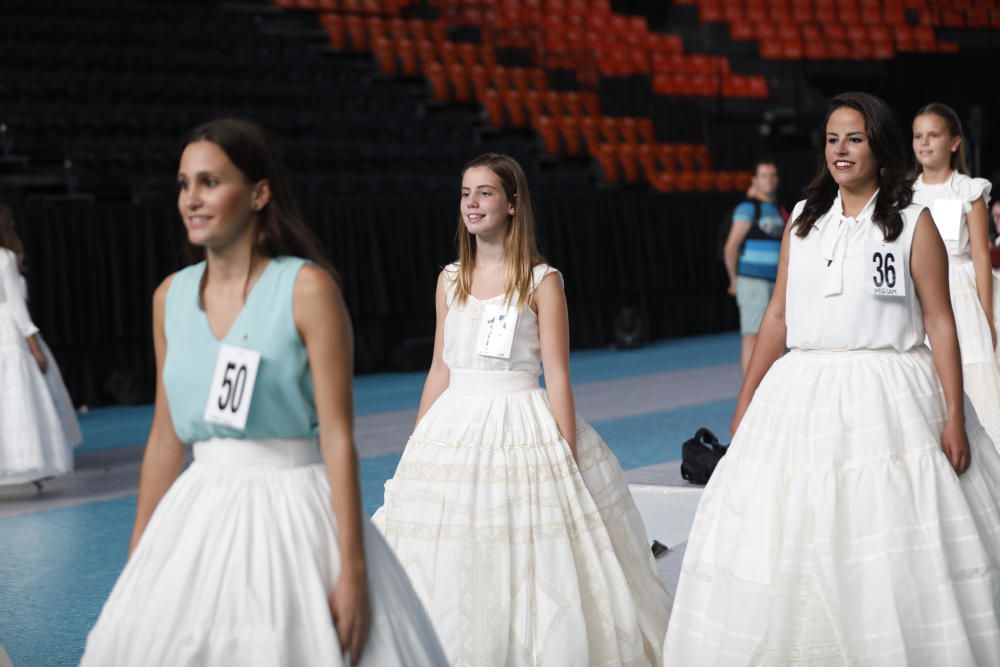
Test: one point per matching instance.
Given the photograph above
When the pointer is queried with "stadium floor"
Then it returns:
(62, 549)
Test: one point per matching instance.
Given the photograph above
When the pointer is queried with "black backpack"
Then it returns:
(727, 224)
(700, 455)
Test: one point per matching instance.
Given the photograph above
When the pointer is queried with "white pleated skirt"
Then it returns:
(236, 567)
(835, 532)
(980, 360)
(522, 556)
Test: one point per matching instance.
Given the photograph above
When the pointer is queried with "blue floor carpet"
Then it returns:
(58, 566)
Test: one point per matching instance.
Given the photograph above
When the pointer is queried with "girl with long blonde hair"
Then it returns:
(509, 512)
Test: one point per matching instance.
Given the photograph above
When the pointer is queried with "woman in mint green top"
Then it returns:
(257, 554)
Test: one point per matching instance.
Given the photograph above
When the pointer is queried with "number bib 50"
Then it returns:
(885, 271)
(232, 387)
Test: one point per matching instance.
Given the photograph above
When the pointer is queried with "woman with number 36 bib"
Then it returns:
(856, 516)
(258, 553)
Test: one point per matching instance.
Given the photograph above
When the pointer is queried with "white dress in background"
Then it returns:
(38, 427)
(520, 556)
(980, 361)
(835, 531)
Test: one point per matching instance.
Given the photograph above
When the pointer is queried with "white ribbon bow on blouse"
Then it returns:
(835, 229)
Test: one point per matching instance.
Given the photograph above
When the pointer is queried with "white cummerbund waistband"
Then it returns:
(491, 382)
(263, 454)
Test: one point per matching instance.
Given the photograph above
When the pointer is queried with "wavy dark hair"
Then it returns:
(280, 227)
(9, 238)
(959, 161)
(892, 157)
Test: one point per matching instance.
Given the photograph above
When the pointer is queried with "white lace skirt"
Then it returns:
(521, 556)
(38, 428)
(236, 567)
(835, 531)
(980, 361)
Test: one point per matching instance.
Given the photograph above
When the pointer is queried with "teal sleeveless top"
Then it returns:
(283, 404)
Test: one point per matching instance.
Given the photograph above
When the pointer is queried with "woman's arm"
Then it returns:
(770, 344)
(164, 450)
(553, 332)
(38, 353)
(738, 232)
(979, 239)
(929, 268)
(10, 287)
(325, 327)
(438, 376)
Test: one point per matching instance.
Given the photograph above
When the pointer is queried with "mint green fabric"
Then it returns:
(283, 405)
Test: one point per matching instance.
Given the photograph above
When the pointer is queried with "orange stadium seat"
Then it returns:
(607, 163)
(569, 129)
(549, 133)
(628, 159)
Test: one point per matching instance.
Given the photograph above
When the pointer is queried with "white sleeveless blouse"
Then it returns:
(958, 186)
(829, 303)
(461, 330)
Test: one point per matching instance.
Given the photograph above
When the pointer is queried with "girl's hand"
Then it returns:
(43, 363)
(955, 445)
(993, 335)
(351, 614)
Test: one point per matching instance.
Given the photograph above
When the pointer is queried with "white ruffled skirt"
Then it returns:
(38, 427)
(980, 360)
(835, 531)
(236, 566)
(522, 556)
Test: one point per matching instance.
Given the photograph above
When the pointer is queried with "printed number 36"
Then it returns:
(885, 270)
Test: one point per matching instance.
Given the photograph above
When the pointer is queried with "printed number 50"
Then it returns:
(234, 387)
(885, 270)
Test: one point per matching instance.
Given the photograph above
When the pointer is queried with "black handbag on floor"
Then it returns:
(700, 455)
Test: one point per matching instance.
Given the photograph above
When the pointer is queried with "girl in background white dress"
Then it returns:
(510, 514)
(943, 180)
(855, 519)
(38, 427)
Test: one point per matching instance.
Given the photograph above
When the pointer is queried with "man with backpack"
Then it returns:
(751, 252)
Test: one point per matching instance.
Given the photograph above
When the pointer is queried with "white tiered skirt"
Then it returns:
(835, 532)
(38, 428)
(980, 360)
(522, 556)
(236, 567)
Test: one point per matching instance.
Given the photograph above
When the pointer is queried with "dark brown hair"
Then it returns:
(280, 228)
(959, 161)
(9, 238)
(891, 157)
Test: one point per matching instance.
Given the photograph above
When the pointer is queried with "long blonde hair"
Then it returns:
(520, 250)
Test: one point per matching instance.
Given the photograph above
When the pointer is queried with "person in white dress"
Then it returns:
(257, 554)
(38, 427)
(960, 208)
(509, 512)
(855, 519)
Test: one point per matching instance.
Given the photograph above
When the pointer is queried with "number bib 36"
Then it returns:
(885, 270)
(232, 387)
